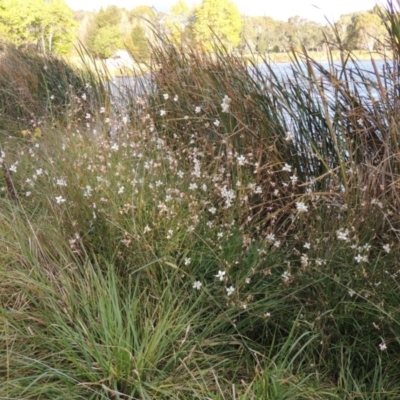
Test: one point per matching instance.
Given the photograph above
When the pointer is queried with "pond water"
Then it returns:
(128, 86)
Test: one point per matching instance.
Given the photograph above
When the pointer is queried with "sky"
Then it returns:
(315, 10)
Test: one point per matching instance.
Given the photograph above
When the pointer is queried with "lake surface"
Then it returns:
(130, 87)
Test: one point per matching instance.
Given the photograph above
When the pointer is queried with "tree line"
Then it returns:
(51, 26)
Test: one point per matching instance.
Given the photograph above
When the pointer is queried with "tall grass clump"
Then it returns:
(233, 235)
(35, 87)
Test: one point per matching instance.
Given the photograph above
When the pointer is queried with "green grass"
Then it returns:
(148, 251)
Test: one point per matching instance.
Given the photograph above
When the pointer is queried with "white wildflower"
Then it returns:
(60, 200)
(382, 346)
(301, 207)
(241, 160)
(343, 235)
(226, 101)
(220, 275)
(289, 136)
(61, 182)
(13, 168)
(197, 285)
(287, 168)
(286, 276)
(230, 290)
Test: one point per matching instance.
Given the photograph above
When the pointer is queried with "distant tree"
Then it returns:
(138, 44)
(84, 20)
(178, 21)
(219, 18)
(107, 41)
(104, 33)
(259, 34)
(303, 33)
(366, 31)
(47, 23)
(55, 26)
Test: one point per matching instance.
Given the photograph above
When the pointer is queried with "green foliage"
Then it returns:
(107, 41)
(138, 44)
(104, 33)
(143, 13)
(366, 31)
(177, 23)
(47, 24)
(217, 20)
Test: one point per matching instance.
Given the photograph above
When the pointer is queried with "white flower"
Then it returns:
(162, 113)
(287, 168)
(359, 258)
(60, 199)
(286, 276)
(61, 182)
(289, 136)
(197, 285)
(247, 281)
(229, 195)
(343, 235)
(301, 207)
(220, 275)
(230, 290)
(212, 210)
(187, 261)
(304, 260)
(351, 292)
(165, 95)
(386, 247)
(88, 191)
(226, 101)
(382, 346)
(102, 110)
(197, 110)
(13, 167)
(270, 238)
(293, 178)
(176, 97)
(216, 123)
(307, 245)
(241, 160)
